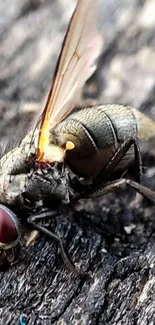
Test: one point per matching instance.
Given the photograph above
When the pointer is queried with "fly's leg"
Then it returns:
(101, 188)
(43, 215)
(120, 184)
(32, 220)
(107, 172)
(138, 161)
(35, 233)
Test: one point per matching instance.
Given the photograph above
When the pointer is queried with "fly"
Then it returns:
(93, 143)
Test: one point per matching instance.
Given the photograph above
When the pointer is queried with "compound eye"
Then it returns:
(9, 228)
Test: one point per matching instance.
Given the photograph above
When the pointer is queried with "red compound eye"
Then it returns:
(9, 228)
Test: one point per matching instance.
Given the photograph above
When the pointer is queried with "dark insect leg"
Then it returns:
(120, 184)
(138, 161)
(65, 258)
(107, 172)
(42, 215)
(102, 187)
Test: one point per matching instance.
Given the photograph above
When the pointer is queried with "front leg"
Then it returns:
(32, 220)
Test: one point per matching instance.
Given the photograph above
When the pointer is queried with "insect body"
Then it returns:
(97, 133)
(91, 143)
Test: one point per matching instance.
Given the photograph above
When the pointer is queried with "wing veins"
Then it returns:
(76, 63)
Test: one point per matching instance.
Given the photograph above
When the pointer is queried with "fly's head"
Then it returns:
(10, 229)
(26, 187)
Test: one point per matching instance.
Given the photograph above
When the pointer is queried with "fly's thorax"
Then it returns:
(48, 185)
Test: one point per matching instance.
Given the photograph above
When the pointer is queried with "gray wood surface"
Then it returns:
(111, 238)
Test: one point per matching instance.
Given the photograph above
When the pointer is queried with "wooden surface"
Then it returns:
(110, 239)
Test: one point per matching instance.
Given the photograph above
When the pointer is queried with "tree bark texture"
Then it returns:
(111, 239)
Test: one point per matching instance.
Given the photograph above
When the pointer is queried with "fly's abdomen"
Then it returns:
(97, 133)
(145, 126)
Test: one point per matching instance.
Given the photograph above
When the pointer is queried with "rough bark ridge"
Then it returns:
(110, 238)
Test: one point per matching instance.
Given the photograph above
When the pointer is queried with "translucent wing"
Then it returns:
(81, 47)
